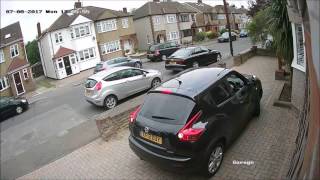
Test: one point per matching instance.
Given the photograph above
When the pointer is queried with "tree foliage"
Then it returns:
(257, 5)
(33, 52)
(258, 28)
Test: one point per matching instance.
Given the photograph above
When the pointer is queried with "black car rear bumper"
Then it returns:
(175, 67)
(153, 57)
(176, 163)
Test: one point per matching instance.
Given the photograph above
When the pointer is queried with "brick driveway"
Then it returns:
(268, 141)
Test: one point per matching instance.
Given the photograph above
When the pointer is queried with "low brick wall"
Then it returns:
(243, 56)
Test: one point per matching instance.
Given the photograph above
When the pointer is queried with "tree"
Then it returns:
(257, 28)
(256, 5)
(33, 52)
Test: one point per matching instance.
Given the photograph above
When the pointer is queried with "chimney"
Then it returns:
(199, 1)
(77, 5)
(39, 29)
(125, 10)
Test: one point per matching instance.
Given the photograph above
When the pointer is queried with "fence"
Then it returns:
(37, 70)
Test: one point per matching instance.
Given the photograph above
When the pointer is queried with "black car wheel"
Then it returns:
(213, 160)
(110, 101)
(137, 65)
(19, 109)
(155, 82)
(257, 108)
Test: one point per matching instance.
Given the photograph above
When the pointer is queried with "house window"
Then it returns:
(184, 18)
(25, 74)
(221, 16)
(86, 54)
(14, 51)
(3, 83)
(125, 23)
(186, 32)
(110, 47)
(173, 35)
(80, 31)
(171, 18)
(58, 37)
(300, 45)
(105, 26)
(156, 20)
(60, 64)
(1, 56)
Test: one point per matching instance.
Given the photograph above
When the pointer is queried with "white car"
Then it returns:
(106, 88)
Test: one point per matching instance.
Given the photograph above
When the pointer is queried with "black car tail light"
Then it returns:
(134, 114)
(156, 52)
(189, 134)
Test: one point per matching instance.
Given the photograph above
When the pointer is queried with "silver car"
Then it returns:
(116, 62)
(106, 88)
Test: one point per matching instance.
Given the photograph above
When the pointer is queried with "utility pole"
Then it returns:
(228, 24)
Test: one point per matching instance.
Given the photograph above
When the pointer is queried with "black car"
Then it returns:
(160, 52)
(191, 57)
(225, 37)
(187, 123)
(10, 106)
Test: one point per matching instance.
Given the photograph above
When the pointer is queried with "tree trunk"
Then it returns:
(279, 62)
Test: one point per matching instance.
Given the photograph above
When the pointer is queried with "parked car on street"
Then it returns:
(225, 37)
(116, 62)
(191, 57)
(10, 106)
(188, 122)
(106, 88)
(243, 33)
(159, 52)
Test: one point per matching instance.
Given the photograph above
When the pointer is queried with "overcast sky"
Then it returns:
(28, 21)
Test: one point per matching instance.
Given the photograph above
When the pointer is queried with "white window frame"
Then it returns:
(294, 63)
(80, 31)
(2, 60)
(110, 47)
(4, 83)
(171, 18)
(15, 49)
(86, 54)
(58, 37)
(173, 33)
(125, 23)
(106, 26)
(25, 72)
(221, 16)
(156, 20)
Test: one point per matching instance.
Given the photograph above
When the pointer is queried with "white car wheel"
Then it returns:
(195, 64)
(110, 102)
(19, 110)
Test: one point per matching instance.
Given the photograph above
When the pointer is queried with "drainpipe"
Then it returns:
(152, 29)
(178, 24)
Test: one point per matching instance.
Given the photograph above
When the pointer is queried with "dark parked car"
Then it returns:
(191, 57)
(10, 106)
(225, 37)
(160, 52)
(243, 33)
(116, 62)
(187, 123)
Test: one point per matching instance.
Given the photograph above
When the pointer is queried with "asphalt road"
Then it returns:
(61, 121)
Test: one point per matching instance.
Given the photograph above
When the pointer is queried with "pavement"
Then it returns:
(267, 143)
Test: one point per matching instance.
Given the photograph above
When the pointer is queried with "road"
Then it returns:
(61, 121)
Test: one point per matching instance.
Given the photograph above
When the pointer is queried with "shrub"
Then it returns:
(200, 36)
(223, 31)
(212, 35)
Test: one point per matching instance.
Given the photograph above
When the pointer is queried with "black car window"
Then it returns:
(110, 62)
(164, 108)
(153, 48)
(197, 50)
(181, 53)
(136, 72)
(121, 60)
(167, 45)
(220, 94)
(99, 66)
(173, 44)
(90, 83)
(236, 83)
(161, 46)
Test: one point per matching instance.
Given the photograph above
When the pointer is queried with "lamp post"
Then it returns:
(228, 24)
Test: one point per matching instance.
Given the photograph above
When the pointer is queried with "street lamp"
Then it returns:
(228, 24)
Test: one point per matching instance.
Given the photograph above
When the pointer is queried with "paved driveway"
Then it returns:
(267, 141)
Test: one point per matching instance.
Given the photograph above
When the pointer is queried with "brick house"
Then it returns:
(15, 72)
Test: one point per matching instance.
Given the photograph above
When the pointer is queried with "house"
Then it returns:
(157, 22)
(206, 19)
(15, 72)
(82, 37)
(234, 17)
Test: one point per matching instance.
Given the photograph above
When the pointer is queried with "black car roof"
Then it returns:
(193, 81)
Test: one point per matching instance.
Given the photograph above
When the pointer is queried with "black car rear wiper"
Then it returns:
(160, 117)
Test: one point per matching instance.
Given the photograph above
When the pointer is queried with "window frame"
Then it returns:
(4, 83)
(2, 59)
(58, 37)
(107, 25)
(295, 64)
(125, 23)
(156, 20)
(25, 72)
(80, 31)
(110, 47)
(85, 54)
(15, 49)
(171, 18)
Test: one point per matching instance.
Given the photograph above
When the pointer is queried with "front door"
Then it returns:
(18, 83)
(67, 65)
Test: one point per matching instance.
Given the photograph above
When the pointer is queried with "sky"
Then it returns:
(28, 21)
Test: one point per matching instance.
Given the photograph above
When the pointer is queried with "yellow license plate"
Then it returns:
(173, 63)
(88, 92)
(150, 137)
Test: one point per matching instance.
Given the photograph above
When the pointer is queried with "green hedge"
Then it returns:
(212, 35)
(200, 36)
